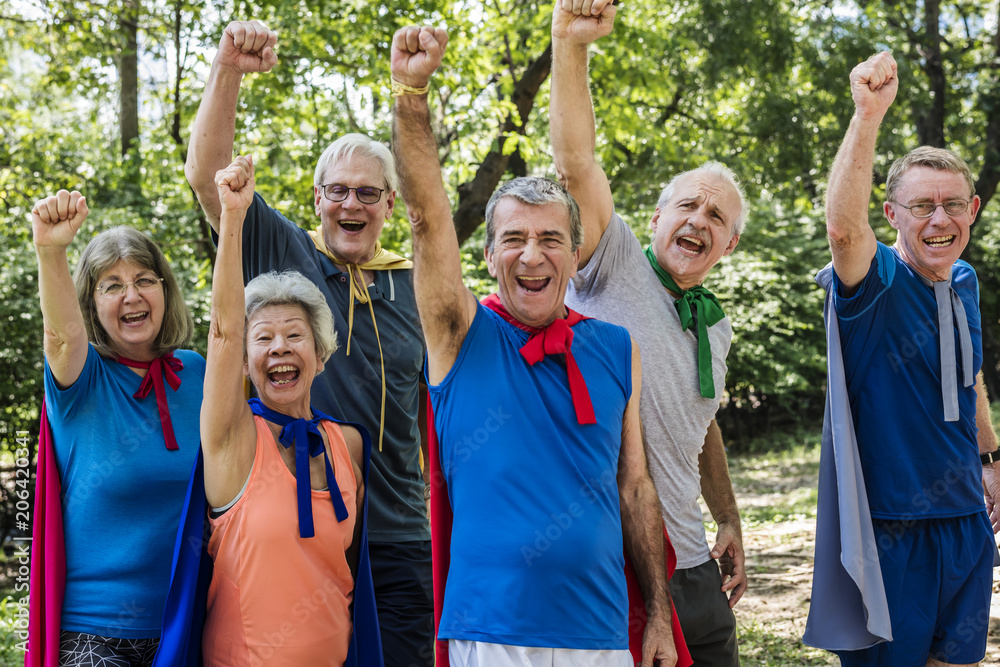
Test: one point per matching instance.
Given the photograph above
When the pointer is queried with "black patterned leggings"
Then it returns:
(78, 649)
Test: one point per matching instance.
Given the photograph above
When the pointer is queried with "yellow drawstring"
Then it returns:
(364, 297)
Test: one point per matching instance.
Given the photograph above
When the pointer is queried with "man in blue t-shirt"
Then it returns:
(911, 343)
(546, 485)
(374, 378)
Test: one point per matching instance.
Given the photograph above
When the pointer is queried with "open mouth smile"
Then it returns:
(281, 375)
(533, 284)
(352, 225)
(691, 245)
(135, 318)
(940, 241)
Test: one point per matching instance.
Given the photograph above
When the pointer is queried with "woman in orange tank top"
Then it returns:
(285, 485)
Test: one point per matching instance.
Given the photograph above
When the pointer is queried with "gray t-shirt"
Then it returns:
(619, 286)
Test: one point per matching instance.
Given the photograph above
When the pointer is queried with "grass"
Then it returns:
(762, 648)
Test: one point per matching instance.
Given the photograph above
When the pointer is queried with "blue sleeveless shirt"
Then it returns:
(536, 542)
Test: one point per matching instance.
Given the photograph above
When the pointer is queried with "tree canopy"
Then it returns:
(99, 97)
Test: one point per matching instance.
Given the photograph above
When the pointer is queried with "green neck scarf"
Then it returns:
(696, 307)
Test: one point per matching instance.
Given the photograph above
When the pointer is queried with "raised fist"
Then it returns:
(582, 21)
(247, 46)
(55, 220)
(416, 53)
(235, 184)
(874, 84)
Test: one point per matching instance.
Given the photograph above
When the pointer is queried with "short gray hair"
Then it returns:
(939, 159)
(535, 191)
(125, 243)
(291, 288)
(715, 169)
(349, 145)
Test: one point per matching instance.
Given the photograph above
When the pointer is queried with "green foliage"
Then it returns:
(760, 646)
(10, 624)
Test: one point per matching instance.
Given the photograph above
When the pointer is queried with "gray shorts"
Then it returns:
(708, 623)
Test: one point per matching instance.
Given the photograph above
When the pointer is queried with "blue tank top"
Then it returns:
(915, 464)
(536, 543)
(122, 491)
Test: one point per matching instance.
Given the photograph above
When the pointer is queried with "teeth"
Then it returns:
(939, 240)
(283, 369)
(134, 316)
(532, 277)
(692, 239)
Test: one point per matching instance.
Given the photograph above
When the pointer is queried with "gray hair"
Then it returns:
(291, 288)
(715, 169)
(125, 243)
(939, 159)
(349, 145)
(535, 191)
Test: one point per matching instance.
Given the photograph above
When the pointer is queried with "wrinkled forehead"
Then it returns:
(284, 313)
(923, 182)
(713, 187)
(513, 216)
(123, 269)
(355, 170)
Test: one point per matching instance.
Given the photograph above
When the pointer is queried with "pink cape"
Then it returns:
(48, 558)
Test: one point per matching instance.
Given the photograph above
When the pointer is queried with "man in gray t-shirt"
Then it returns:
(653, 293)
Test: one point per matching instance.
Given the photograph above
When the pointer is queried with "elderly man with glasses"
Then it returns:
(374, 378)
(904, 548)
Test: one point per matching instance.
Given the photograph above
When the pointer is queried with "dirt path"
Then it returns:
(777, 500)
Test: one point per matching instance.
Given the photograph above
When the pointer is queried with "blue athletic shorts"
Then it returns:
(938, 576)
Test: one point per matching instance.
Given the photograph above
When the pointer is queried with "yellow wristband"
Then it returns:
(400, 89)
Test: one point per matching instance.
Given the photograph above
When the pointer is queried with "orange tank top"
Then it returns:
(277, 599)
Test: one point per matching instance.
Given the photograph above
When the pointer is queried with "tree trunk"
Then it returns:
(930, 123)
(128, 71)
(474, 195)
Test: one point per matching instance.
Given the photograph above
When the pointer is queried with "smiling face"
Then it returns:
(281, 358)
(694, 229)
(131, 320)
(350, 228)
(532, 259)
(931, 245)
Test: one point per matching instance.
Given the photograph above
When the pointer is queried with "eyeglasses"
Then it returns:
(366, 194)
(142, 285)
(925, 210)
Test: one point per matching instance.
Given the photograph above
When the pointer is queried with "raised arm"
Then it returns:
(717, 489)
(642, 529)
(228, 436)
(246, 46)
(446, 306)
(571, 115)
(852, 241)
(55, 221)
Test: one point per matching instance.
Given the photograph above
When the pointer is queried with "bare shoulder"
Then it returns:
(355, 444)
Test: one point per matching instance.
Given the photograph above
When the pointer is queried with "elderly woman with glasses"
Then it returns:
(285, 484)
(121, 405)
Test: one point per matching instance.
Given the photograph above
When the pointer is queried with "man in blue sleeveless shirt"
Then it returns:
(910, 332)
(536, 413)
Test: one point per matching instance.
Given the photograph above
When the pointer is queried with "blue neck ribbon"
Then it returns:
(305, 436)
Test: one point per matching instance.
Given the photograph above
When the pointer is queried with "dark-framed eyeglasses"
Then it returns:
(142, 285)
(366, 194)
(926, 209)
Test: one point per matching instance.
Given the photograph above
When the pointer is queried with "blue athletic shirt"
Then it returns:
(915, 464)
(122, 491)
(536, 542)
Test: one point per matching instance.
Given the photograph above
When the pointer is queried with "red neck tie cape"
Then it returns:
(47, 580)
(540, 343)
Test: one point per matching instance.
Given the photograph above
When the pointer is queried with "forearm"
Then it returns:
(642, 530)
(65, 333)
(571, 110)
(716, 485)
(986, 436)
(212, 135)
(850, 183)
